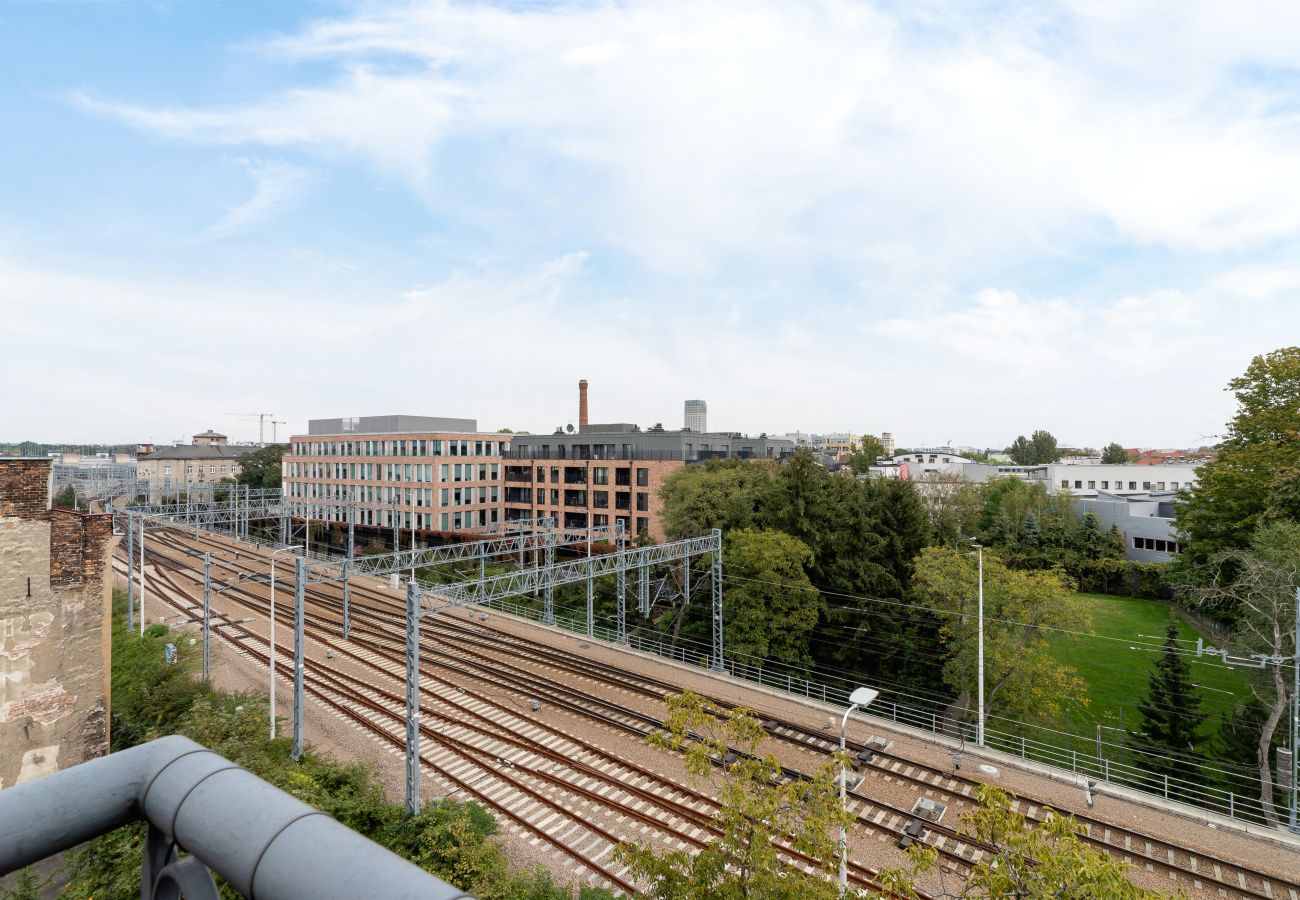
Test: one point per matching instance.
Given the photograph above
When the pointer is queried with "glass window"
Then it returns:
(642, 477)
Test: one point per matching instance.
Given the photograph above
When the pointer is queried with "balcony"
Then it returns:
(519, 495)
(575, 475)
(575, 498)
(519, 474)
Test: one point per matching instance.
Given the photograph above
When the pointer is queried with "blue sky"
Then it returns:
(952, 221)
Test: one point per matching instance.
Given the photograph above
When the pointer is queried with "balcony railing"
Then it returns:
(258, 838)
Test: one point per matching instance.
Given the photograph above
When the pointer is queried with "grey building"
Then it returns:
(626, 441)
(1146, 521)
(697, 416)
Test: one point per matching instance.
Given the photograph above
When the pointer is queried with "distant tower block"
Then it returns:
(887, 441)
(582, 403)
(697, 416)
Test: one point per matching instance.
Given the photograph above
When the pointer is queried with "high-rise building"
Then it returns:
(697, 416)
(887, 440)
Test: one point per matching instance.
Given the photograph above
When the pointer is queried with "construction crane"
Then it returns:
(275, 422)
(261, 424)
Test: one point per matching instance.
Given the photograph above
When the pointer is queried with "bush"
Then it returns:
(451, 839)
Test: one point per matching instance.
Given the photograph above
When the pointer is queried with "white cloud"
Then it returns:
(698, 133)
(275, 185)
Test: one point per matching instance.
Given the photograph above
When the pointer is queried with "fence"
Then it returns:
(1214, 789)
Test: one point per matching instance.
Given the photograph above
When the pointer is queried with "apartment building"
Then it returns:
(427, 472)
(1089, 480)
(607, 474)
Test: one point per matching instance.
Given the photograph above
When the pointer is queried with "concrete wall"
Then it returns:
(55, 607)
(1138, 519)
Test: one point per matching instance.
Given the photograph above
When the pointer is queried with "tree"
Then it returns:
(1170, 712)
(1114, 455)
(1256, 588)
(1021, 676)
(1283, 498)
(871, 449)
(771, 607)
(67, 498)
(1036, 450)
(1031, 863)
(759, 813)
(721, 493)
(261, 468)
(1232, 491)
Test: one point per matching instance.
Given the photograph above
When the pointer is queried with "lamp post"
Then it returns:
(860, 698)
(979, 653)
(272, 653)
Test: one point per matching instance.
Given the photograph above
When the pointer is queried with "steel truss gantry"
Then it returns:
(422, 601)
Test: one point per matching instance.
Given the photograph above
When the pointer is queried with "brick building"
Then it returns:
(443, 471)
(55, 634)
(604, 474)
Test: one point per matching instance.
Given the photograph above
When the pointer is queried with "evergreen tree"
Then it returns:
(1114, 547)
(66, 498)
(1170, 714)
(1114, 455)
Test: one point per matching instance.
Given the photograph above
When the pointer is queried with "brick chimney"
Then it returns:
(582, 403)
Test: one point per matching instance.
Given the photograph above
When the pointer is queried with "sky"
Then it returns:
(954, 221)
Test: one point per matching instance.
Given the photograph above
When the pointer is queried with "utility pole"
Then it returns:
(979, 722)
(1295, 717)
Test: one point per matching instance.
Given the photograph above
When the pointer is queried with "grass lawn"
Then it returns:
(1117, 676)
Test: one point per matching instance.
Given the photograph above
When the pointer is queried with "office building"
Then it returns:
(697, 416)
(440, 474)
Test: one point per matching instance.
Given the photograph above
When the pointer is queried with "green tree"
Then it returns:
(1036, 450)
(759, 814)
(770, 605)
(1170, 711)
(1114, 455)
(1050, 861)
(1232, 491)
(721, 493)
(1283, 498)
(67, 498)
(261, 468)
(864, 457)
(1255, 587)
(1021, 676)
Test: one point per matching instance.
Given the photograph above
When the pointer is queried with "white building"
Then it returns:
(1086, 480)
(932, 461)
(697, 416)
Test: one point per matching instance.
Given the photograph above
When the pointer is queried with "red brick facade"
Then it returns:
(25, 488)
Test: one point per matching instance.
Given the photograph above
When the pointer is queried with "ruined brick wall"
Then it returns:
(25, 487)
(54, 633)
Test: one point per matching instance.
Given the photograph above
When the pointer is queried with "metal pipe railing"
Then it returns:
(262, 841)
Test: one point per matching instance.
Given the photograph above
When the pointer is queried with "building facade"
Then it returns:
(611, 474)
(55, 608)
(434, 474)
(697, 416)
(210, 458)
(1146, 521)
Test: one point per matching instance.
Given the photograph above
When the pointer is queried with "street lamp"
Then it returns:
(273, 654)
(860, 698)
(979, 719)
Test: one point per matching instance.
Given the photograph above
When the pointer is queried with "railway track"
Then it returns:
(603, 785)
(1191, 868)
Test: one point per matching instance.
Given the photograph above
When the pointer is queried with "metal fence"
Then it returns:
(1207, 787)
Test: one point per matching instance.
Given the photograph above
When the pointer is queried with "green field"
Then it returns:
(1117, 676)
